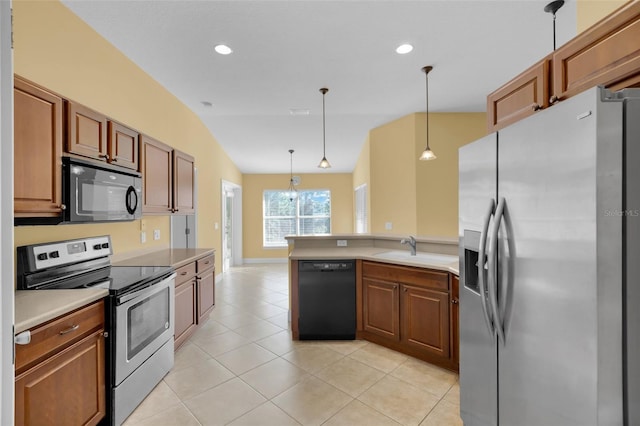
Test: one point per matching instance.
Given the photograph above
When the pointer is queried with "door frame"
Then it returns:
(236, 223)
(6, 216)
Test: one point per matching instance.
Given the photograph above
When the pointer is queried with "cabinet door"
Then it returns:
(381, 308)
(86, 132)
(183, 180)
(123, 146)
(605, 54)
(156, 176)
(185, 312)
(37, 151)
(66, 389)
(520, 97)
(425, 319)
(206, 293)
(455, 328)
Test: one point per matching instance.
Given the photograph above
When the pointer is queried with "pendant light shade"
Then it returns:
(324, 163)
(552, 8)
(427, 154)
(291, 191)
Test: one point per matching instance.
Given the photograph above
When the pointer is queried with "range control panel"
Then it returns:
(48, 255)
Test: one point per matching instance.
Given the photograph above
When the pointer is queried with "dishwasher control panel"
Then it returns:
(326, 266)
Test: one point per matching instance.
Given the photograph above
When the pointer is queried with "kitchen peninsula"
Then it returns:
(406, 302)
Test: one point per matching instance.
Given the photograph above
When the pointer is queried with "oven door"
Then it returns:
(143, 323)
(99, 194)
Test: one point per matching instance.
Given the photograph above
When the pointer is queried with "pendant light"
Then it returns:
(292, 191)
(552, 8)
(427, 154)
(324, 163)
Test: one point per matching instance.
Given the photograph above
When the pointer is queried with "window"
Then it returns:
(308, 214)
(361, 209)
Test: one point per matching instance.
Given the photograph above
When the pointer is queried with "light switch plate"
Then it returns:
(388, 226)
(156, 234)
(143, 237)
(342, 243)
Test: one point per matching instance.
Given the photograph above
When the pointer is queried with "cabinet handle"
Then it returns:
(206, 263)
(536, 107)
(70, 329)
(63, 206)
(454, 301)
(405, 289)
(105, 156)
(183, 273)
(553, 99)
(113, 160)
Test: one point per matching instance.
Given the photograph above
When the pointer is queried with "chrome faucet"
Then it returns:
(412, 243)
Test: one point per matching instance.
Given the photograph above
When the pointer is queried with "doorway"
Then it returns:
(231, 225)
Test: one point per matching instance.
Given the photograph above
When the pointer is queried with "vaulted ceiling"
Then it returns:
(285, 51)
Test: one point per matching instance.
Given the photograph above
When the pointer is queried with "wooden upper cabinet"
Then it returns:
(123, 146)
(157, 176)
(86, 132)
(37, 151)
(519, 98)
(606, 54)
(183, 171)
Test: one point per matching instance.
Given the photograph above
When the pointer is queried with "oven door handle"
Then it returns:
(146, 291)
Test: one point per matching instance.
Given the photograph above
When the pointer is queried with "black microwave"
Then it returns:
(99, 192)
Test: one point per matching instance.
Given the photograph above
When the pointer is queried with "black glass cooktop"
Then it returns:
(124, 279)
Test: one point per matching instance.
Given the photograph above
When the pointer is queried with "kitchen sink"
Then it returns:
(427, 258)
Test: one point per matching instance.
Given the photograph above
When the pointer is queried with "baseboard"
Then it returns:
(266, 260)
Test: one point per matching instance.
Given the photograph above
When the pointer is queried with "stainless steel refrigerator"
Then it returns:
(549, 223)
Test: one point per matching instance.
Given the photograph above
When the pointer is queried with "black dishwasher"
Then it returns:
(327, 299)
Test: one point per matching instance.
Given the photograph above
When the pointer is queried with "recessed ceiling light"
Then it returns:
(404, 48)
(223, 49)
(207, 104)
(298, 111)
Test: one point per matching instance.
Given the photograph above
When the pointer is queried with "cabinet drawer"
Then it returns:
(606, 54)
(405, 274)
(519, 98)
(185, 273)
(205, 263)
(50, 338)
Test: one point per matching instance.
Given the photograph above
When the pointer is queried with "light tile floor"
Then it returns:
(242, 368)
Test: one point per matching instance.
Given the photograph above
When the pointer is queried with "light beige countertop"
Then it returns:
(442, 262)
(166, 257)
(34, 307)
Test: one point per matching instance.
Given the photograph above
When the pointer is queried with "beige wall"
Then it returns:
(362, 175)
(254, 185)
(418, 197)
(393, 177)
(591, 11)
(437, 180)
(56, 49)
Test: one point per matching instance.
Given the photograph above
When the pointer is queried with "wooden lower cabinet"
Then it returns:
(455, 324)
(206, 293)
(60, 380)
(408, 309)
(381, 308)
(186, 319)
(194, 297)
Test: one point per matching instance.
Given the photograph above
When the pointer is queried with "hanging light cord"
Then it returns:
(426, 74)
(324, 146)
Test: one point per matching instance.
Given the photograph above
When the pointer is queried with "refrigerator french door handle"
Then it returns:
(492, 281)
(481, 268)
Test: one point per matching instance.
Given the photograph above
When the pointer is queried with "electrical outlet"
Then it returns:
(143, 237)
(156, 234)
(388, 226)
(342, 243)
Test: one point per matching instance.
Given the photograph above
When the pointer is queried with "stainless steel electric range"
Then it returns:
(139, 311)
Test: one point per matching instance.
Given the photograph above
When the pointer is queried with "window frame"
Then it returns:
(297, 217)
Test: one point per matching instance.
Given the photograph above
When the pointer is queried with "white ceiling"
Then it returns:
(285, 51)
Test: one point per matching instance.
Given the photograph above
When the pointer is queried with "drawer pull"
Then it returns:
(206, 263)
(70, 329)
(183, 273)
